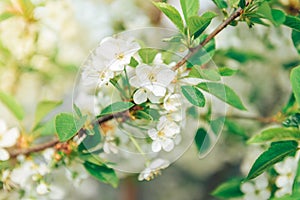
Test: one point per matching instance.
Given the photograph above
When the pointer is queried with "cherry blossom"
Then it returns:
(153, 169)
(287, 172)
(164, 134)
(256, 189)
(8, 138)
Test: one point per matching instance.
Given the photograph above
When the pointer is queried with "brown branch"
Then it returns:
(41, 147)
(223, 25)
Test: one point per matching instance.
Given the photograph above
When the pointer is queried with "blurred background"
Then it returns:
(42, 48)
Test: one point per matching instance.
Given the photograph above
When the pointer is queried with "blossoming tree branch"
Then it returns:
(143, 98)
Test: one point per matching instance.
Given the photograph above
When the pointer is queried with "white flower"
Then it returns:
(8, 138)
(42, 189)
(172, 102)
(287, 172)
(96, 72)
(151, 82)
(153, 169)
(164, 134)
(256, 190)
(22, 174)
(117, 52)
(110, 145)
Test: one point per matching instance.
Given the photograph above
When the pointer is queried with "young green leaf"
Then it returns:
(204, 55)
(207, 74)
(193, 95)
(295, 77)
(90, 141)
(220, 4)
(189, 8)
(67, 126)
(197, 24)
(133, 62)
(223, 92)
(276, 153)
(296, 39)
(226, 71)
(11, 104)
(292, 22)
(229, 189)
(43, 108)
(202, 140)
(276, 134)
(102, 173)
(77, 110)
(45, 129)
(147, 55)
(5, 16)
(278, 17)
(172, 14)
(116, 107)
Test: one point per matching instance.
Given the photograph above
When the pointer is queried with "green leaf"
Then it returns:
(276, 134)
(5, 15)
(102, 173)
(197, 24)
(208, 74)
(217, 124)
(234, 3)
(295, 77)
(202, 140)
(77, 111)
(229, 189)
(296, 39)
(46, 129)
(264, 11)
(67, 126)
(236, 129)
(276, 153)
(11, 104)
(133, 62)
(296, 184)
(220, 4)
(278, 17)
(193, 95)
(147, 55)
(242, 3)
(204, 55)
(223, 92)
(43, 108)
(226, 71)
(172, 14)
(91, 140)
(292, 22)
(189, 8)
(116, 108)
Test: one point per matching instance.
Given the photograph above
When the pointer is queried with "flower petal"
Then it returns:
(156, 146)
(9, 138)
(4, 155)
(140, 96)
(3, 126)
(168, 145)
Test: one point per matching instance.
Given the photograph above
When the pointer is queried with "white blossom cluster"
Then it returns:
(147, 83)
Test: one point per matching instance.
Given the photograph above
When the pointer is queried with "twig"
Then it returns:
(192, 51)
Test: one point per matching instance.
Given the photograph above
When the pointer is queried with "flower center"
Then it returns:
(152, 77)
(161, 134)
(120, 56)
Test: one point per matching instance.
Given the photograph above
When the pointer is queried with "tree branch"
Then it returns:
(223, 25)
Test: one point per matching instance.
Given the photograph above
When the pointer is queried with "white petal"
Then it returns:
(152, 134)
(165, 77)
(117, 65)
(153, 98)
(168, 145)
(3, 126)
(156, 89)
(143, 71)
(159, 164)
(247, 188)
(4, 155)
(135, 82)
(9, 138)
(171, 129)
(282, 181)
(42, 189)
(140, 96)
(162, 122)
(156, 146)
(264, 194)
(261, 182)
